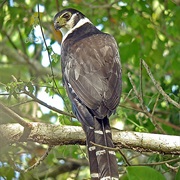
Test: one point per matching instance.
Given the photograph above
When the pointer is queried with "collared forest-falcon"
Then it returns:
(91, 73)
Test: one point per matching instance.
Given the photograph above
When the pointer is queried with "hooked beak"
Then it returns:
(59, 23)
(57, 26)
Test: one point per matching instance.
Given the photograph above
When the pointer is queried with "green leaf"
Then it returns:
(143, 173)
(141, 129)
(178, 175)
(30, 87)
(15, 95)
(55, 57)
(49, 49)
(124, 177)
(7, 173)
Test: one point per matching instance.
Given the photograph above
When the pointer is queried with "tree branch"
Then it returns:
(144, 108)
(14, 116)
(65, 135)
(158, 87)
(46, 105)
(20, 58)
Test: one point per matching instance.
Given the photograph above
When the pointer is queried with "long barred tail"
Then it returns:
(103, 164)
(93, 164)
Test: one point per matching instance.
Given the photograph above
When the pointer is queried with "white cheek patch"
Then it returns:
(63, 31)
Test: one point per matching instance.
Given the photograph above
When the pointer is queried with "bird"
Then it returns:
(92, 77)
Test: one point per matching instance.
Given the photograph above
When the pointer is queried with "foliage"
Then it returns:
(147, 172)
(143, 29)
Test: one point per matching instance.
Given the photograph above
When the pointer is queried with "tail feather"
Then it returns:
(102, 161)
(107, 164)
(87, 121)
(103, 165)
(92, 153)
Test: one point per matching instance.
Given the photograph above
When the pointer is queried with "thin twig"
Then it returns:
(10, 39)
(160, 163)
(15, 116)
(154, 107)
(141, 85)
(2, 3)
(46, 105)
(128, 95)
(21, 103)
(40, 160)
(124, 157)
(57, 6)
(175, 169)
(156, 118)
(135, 90)
(104, 147)
(45, 44)
(158, 87)
(12, 163)
(22, 41)
(49, 57)
(143, 106)
(157, 163)
(84, 154)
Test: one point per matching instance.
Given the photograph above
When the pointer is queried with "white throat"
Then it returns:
(66, 31)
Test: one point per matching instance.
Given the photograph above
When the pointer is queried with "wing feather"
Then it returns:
(93, 69)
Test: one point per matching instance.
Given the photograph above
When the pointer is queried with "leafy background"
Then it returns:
(143, 29)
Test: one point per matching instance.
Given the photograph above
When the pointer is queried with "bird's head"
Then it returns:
(66, 19)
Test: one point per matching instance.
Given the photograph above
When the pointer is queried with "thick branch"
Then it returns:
(64, 135)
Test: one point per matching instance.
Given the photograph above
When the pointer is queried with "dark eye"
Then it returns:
(67, 16)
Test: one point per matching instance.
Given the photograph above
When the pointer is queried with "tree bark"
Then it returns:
(65, 135)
